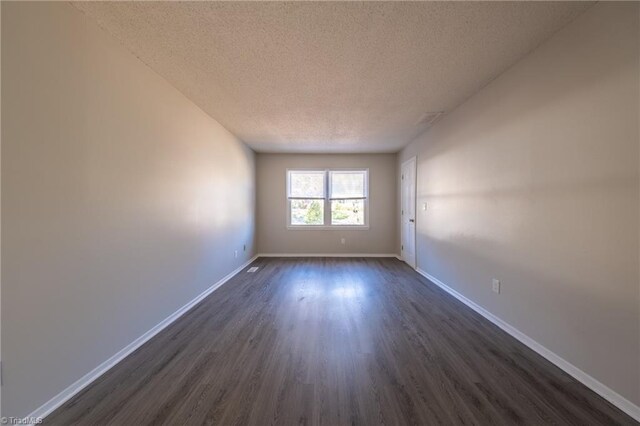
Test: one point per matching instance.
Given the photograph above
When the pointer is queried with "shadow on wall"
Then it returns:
(566, 257)
(517, 105)
(535, 181)
(214, 199)
(535, 302)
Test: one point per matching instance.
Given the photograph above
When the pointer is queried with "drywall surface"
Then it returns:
(534, 181)
(0, 228)
(273, 235)
(121, 200)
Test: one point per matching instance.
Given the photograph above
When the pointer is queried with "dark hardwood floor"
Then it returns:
(334, 341)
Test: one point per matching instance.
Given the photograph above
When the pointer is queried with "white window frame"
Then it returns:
(327, 200)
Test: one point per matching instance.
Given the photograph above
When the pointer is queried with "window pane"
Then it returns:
(347, 184)
(347, 212)
(306, 184)
(307, 212)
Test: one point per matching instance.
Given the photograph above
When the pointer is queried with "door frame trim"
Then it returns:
(413, 159)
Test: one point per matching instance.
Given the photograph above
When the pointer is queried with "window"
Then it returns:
(347, 197)
(306, 198)
(319, 199)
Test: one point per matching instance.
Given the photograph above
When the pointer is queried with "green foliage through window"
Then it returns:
(307, 212)
(345, 191)
(347, 212)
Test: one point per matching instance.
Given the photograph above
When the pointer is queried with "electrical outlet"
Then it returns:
(424, 207)
(495, 286)
(343, 241)
(235, 254)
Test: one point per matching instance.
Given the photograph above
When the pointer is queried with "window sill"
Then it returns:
(328, 227)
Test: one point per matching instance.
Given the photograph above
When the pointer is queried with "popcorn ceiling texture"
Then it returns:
(324, 76)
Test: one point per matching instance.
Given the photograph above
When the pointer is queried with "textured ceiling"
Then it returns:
(324, 76)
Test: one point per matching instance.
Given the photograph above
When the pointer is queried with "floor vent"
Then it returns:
(252, 269)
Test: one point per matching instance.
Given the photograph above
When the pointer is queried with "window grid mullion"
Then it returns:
(327, 201)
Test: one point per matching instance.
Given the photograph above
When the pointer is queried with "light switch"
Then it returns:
(495, 285)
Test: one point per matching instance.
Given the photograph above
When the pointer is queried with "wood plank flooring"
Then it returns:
(334, 341)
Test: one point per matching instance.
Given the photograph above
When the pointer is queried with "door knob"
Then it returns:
(411, 220)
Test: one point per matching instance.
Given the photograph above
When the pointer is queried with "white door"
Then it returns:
(408, 211)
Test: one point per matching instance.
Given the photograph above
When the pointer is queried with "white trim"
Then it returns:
(55, 402)
(394, 255)
(604, 391)
(327, 198)
(327, 227)
(610, 395)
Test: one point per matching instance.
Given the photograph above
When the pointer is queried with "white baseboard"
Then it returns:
(94, 374)
(610, 395)
(328, 255)
(607, 393)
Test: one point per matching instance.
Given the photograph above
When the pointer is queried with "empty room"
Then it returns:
(320, 213)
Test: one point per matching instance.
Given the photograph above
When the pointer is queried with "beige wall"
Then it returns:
(534, 181)
(121, 200)
(273, 235)
(1, 412)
